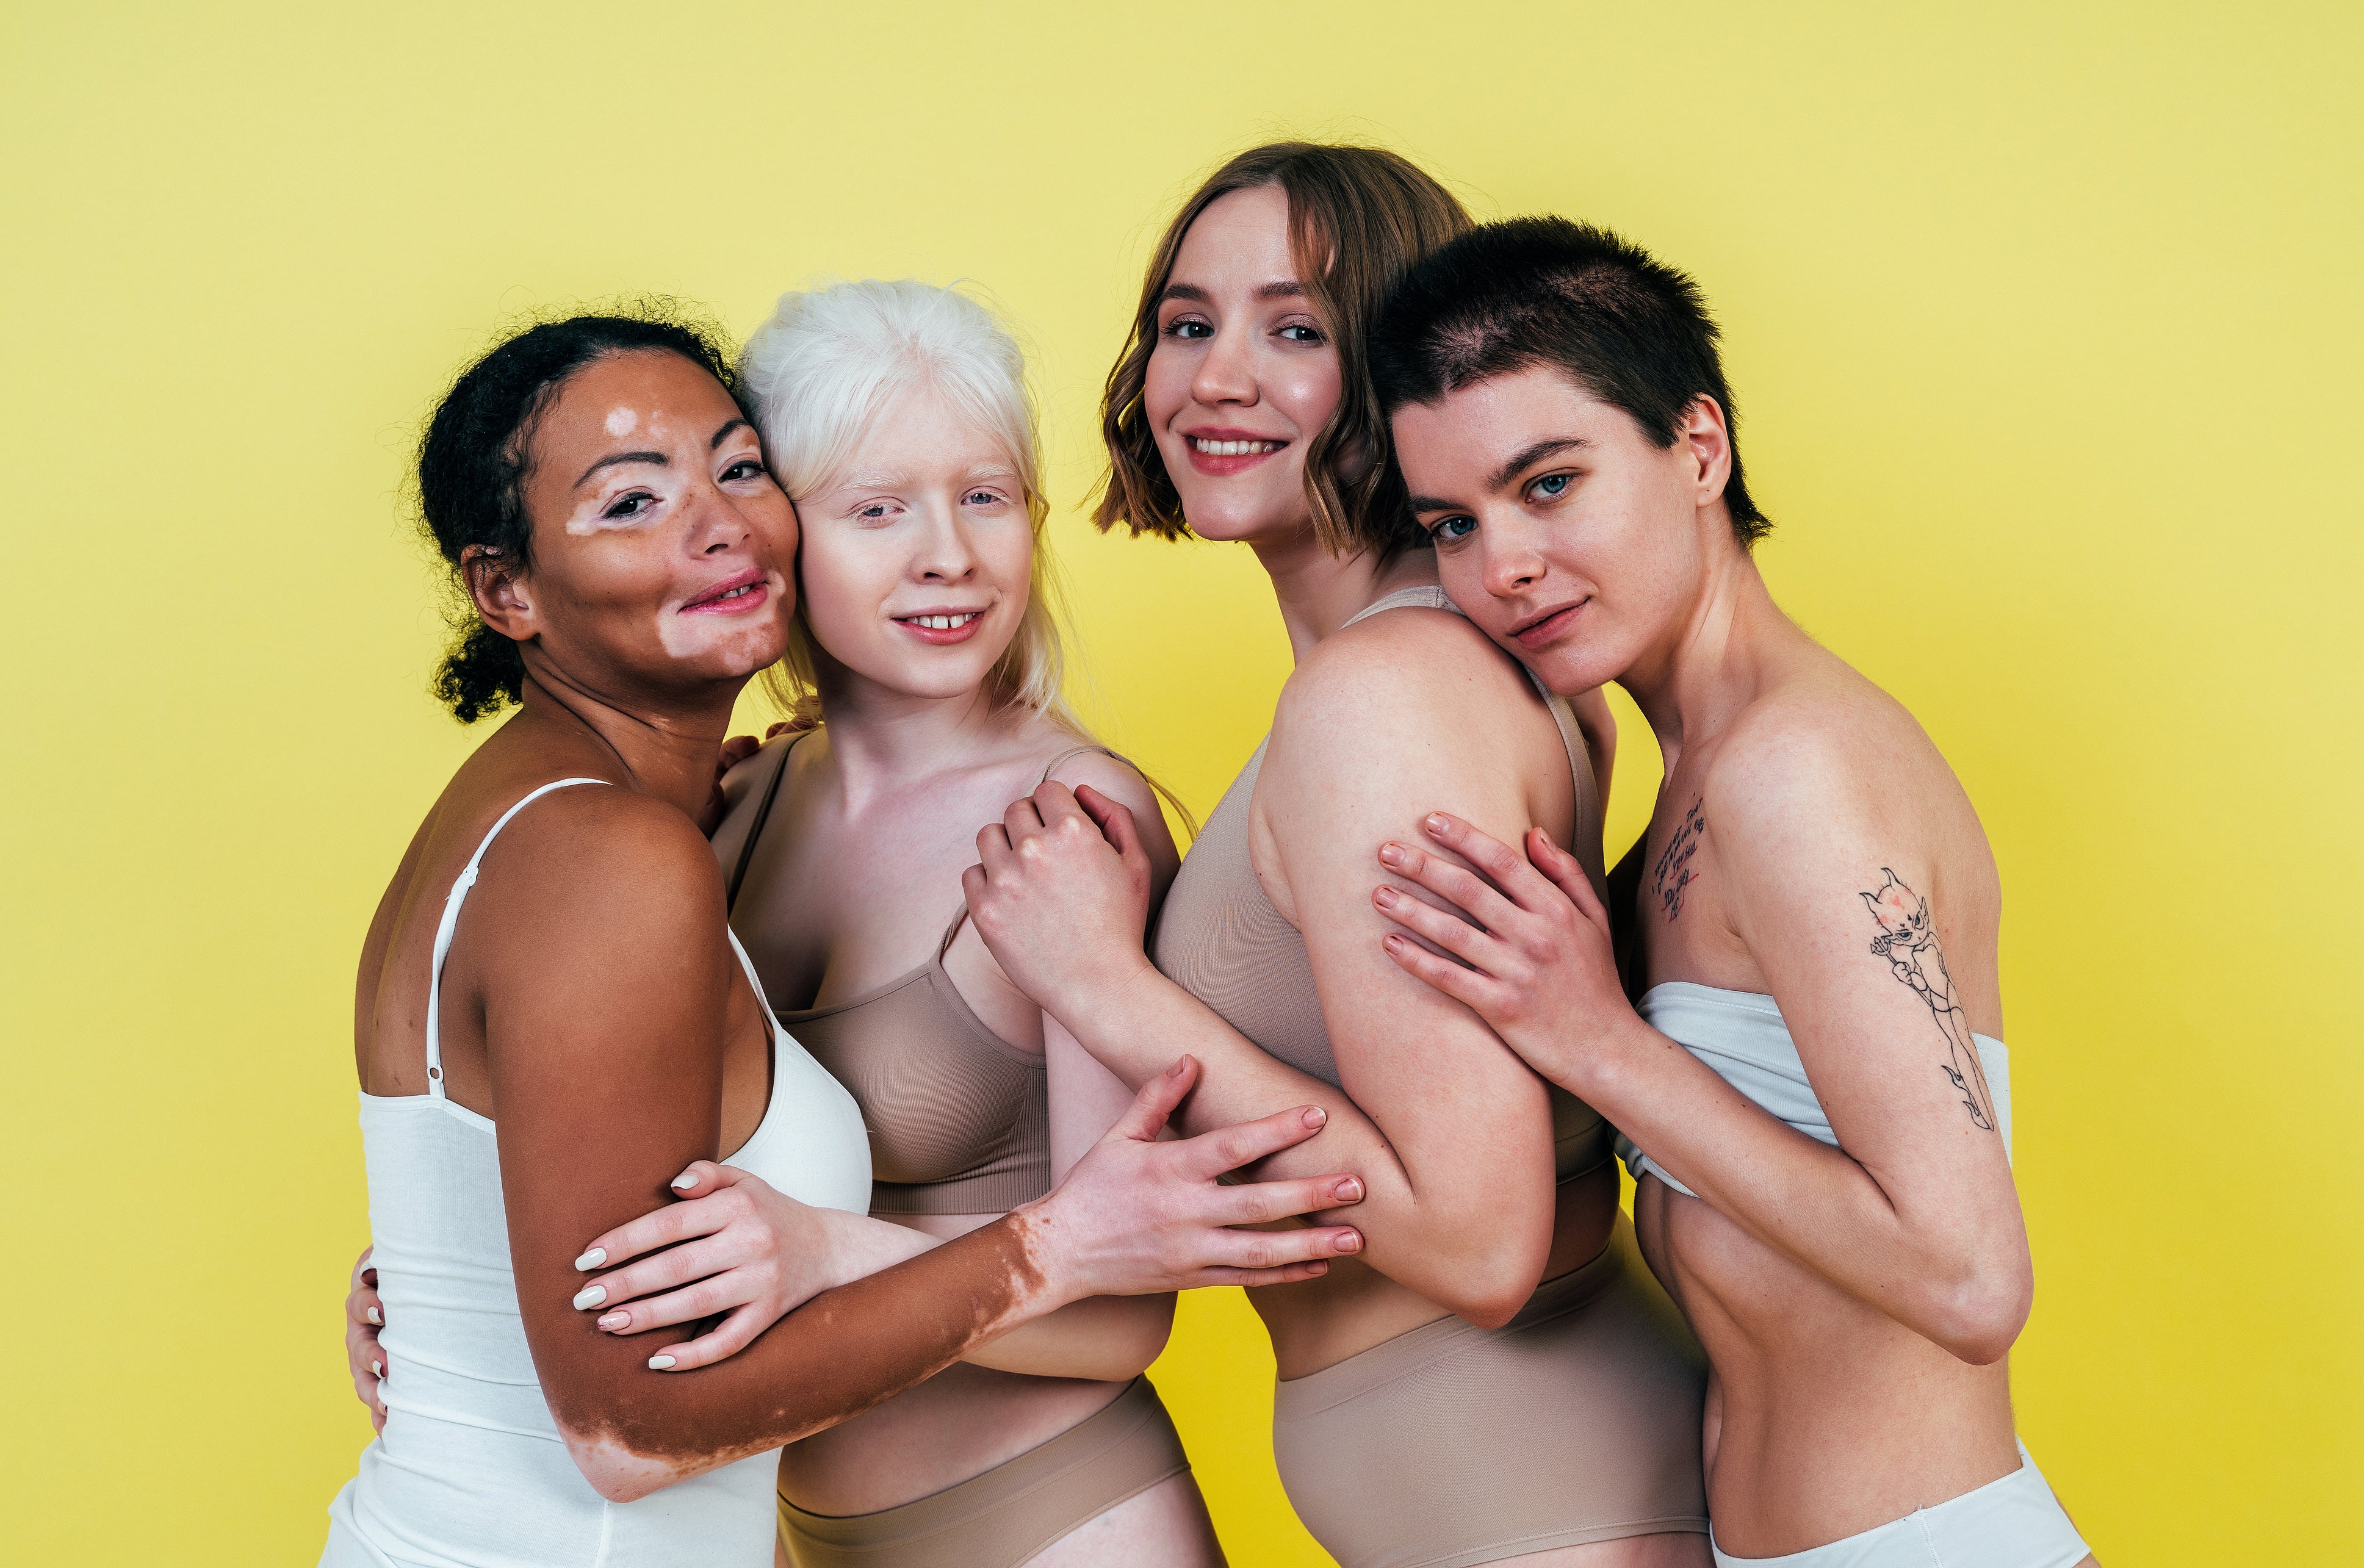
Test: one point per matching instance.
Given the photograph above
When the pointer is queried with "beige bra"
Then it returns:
(959, 1119)
(1219, 939)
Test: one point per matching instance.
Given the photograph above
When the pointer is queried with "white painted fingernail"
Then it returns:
(590, 1296)
(379, 1368)
(592, 1259)
(685, 1180)
(375, 1318)
(660, 1363)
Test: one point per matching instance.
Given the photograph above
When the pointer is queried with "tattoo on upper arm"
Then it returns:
(1673, 871)
(1908, 940)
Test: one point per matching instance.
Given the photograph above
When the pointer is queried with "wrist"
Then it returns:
(1103, 989)
(1598, 1073)
(1045, 1272)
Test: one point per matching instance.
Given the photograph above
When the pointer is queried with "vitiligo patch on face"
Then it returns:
(693, 635)
(623, 421)
(588, 518)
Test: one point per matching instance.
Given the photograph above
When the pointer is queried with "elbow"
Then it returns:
(1486, 1287)
(615, 1472)
(1981, 1318)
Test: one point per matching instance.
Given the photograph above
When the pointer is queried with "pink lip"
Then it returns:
(1218, 467)
(711, 603)
(943, 636)
(1550, 626)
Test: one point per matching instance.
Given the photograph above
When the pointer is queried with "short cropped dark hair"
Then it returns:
(1546, 293)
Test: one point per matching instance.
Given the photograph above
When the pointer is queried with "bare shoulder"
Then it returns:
(1828, 766)
(1414, 656)
(1112, 776)
(586, 854)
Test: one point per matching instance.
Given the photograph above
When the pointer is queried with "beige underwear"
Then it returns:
(1577, 1422)
(1011, 1512)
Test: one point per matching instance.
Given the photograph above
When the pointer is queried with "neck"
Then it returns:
(878, 736)
(665, 749)
(1714, 657)
(1319, 591)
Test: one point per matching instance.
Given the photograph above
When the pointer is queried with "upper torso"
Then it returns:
(1826, 1416)
(1220, 936)
(471, 1467)
(856, 933)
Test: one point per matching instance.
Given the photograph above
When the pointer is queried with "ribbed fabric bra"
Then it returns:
(959, 1119)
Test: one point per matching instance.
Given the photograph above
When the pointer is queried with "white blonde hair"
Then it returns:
(819, 374)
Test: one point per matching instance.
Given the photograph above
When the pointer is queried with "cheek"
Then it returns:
(1165, 387)
(843, 586)
(1307, 393)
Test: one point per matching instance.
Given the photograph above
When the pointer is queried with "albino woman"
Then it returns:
(1498, 1376)
(925, 665)
(554, 1027)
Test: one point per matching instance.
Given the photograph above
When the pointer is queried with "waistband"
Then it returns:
(2012, 1521)
(1298, 1398)
(1011, 1512)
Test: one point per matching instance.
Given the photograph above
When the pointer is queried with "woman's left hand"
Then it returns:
(1537, 963)
(736, 1246)
(1062, 894)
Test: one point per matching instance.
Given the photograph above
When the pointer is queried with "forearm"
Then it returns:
(1919, 1263)
(1138, 1023)
(1109, 1339)
(632, 1430)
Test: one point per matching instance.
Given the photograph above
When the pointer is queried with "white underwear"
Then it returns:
(2016, 1522)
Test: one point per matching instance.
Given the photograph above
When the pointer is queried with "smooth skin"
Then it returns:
(593, 1008)
(1450, 1132)
(1856, 1303)
(859, 874)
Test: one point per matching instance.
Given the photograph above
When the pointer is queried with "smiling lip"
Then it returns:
(942, 625)
(749, 590)
(1237, 450)
(1549, 625)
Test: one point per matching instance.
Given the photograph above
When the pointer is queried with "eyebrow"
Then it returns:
(1551, 445)
(1279, 288)
(612, 459)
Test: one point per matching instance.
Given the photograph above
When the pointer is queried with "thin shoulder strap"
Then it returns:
(1426, 596)
(756, 828)
(451, 901)
(952, 931)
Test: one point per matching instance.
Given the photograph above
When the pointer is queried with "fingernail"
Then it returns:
(597, 1255)
(660, 1363)
(1315, 1116)
(1436, 823)
(1391, 854)
(1386, 898)
(590, 1296)
(685, 1180)
(377, 1369)
(615, 1319)
(1350, 1243)
(1348, 1191)
(1392, 939)
(375, 1318)
(1320, 1266)
(1176, 1070)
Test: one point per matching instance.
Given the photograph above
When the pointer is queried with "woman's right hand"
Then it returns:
(1138, 1217)
(364, 1316)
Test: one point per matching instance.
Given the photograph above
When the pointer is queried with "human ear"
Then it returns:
(500, 596)
(1707, 442)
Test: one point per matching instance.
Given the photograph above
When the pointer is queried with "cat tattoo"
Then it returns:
(1673, 871)
(1908, 940)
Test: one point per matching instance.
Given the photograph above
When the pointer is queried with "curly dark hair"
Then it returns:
(477, 451)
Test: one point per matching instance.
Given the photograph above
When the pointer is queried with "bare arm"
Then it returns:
(1915, 1214)
(1461, 1215)
(609, 992)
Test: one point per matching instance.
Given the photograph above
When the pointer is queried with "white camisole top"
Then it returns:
(1742, 1035)
(471, 1471)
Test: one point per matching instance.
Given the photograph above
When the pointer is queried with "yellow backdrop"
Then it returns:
(2043, 319)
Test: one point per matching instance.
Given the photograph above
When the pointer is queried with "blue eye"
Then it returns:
(1551, 485)
(981, 497)
(1453, 530)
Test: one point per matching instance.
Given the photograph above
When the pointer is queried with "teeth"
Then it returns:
(944, 623)
(1235, 449)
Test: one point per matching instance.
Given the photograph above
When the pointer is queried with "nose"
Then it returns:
(1513, 566)
(717, 524)
(946, 554)
(1226, 371)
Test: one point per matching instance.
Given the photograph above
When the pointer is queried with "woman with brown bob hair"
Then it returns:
(1496, 1375)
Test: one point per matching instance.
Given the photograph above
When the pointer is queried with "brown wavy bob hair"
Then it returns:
(1358, 218)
